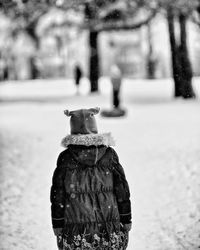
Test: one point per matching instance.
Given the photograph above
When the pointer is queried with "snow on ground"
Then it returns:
(158, 143)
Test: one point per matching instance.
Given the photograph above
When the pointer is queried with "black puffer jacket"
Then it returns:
(90, 198)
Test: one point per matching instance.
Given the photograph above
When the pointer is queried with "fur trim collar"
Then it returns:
(88, 140)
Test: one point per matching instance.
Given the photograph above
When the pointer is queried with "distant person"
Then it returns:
(90, 195)
(77, 75)
(116, 80)
(3, 69)
(34, 72)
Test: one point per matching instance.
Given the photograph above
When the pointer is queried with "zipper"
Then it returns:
(96, 156)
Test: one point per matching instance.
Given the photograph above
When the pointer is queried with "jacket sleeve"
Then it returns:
(121, 190)
(57, 196)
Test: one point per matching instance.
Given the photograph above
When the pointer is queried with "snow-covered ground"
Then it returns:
(158, 143)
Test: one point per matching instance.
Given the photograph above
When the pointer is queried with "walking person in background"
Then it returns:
(116, 80)
(2, 68)
(77, 75)
(90, 195)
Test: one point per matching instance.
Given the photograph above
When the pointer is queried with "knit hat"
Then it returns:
(82, 121)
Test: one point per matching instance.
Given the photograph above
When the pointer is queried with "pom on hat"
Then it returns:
(66, 112)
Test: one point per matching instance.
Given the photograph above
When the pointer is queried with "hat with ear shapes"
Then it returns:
(82, 121)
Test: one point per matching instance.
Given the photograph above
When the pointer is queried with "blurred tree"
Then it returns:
(196, 14)
(100, 15)
(198, 9)
(177, 14)
(90, 14)
(25, 15)
(181, 65)
(151, 61)
(107, 15)
(117, 15)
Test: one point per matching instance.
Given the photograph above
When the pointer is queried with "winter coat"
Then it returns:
(116, 78)
(90, 196)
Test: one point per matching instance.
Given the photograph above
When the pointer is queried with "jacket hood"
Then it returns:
(88, 140)
(87, 155)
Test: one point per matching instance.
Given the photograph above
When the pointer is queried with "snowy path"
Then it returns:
(158, 143)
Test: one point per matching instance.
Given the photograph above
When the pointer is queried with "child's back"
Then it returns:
(90, 194)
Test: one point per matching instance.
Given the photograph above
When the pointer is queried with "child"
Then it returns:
(89, 195)
(116, 80)
(77, 75)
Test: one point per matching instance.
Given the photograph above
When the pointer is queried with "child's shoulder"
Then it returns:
(63, 153)
(63, 156)
(112, 155)
(113, 152)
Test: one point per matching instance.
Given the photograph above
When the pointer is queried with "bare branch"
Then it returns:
(196, 18)
(120, 25)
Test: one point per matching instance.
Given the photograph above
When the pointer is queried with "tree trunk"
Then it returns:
(31, 31)
(176, 67)
(186, 68)
(94, 61)
(151, 64)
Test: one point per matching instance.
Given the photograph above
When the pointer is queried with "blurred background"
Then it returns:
(155, 45)
(46, 39)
